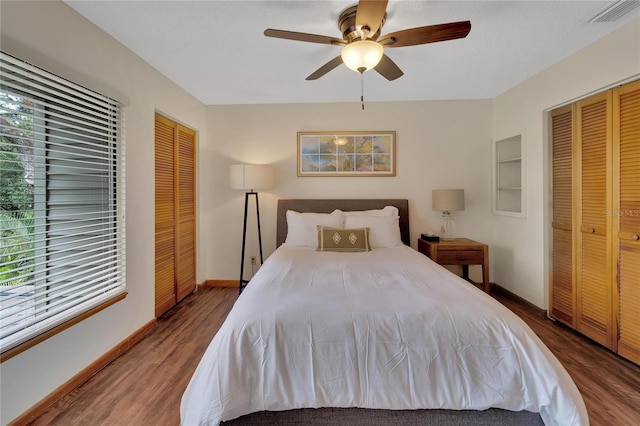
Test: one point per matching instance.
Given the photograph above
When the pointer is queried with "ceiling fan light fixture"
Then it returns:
(362, 55)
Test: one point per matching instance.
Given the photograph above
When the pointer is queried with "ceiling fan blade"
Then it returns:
(312, 38)
(428, 34)
(370, 13)
(325, 68)
(388, 69)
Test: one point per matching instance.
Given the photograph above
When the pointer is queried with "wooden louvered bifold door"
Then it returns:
(562, 294)
(186, 208)
(598, 250)
(175, 213)
(627, 219)
(593, 130)
(165, 296)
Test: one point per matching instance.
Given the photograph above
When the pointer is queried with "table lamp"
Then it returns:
(446, 201)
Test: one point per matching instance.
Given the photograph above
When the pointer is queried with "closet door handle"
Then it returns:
(635, 237)
(591, 230)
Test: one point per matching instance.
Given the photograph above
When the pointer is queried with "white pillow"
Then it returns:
(302, 228)
(387, 211)
(384, 231)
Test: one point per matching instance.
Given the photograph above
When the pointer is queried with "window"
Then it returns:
(62, 228)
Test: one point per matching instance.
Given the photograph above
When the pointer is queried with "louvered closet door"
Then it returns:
(186, 208)
(562, 300)
(593, 131)
(165, 295)
(627, 226)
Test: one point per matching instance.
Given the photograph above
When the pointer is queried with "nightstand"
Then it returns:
(459, 251)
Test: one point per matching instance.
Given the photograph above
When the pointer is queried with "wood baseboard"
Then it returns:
(495, 288)
(220, 283)
(79, 379)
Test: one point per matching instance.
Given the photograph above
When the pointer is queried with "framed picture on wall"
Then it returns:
(347, 153)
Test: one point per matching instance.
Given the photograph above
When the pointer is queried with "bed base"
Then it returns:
(370, 417)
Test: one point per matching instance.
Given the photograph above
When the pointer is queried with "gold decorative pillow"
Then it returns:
(347, 240)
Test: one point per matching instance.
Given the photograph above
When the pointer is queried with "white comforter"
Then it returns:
(384, 329)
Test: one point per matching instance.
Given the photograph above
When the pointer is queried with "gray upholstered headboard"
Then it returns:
(327, 206)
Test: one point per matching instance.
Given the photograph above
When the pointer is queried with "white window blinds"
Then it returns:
(62, 228)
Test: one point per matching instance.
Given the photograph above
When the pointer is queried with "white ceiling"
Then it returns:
(216, 50)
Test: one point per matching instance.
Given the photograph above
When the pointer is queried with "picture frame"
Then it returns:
(347, 153)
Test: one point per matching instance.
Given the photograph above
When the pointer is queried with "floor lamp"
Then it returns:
(250, 177)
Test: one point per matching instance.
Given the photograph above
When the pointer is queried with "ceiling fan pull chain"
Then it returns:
(362, 89)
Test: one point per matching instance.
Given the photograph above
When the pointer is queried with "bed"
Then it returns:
(375, 337)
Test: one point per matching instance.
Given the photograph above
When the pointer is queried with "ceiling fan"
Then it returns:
(362, 44)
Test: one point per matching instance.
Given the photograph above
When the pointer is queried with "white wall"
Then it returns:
(440, 144)
(53, 36)
(522, 244)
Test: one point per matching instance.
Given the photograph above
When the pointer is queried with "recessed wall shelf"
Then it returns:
(508, 177)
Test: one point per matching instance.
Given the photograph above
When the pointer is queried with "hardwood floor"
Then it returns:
(144, 385)
(609, 384)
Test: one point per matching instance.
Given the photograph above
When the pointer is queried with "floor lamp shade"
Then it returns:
(251, 176)
(447, 201)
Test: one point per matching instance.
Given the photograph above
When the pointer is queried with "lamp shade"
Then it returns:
(362, 55)
(447, 200)
(251, 176)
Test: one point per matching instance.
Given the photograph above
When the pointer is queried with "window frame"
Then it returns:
(104, 285)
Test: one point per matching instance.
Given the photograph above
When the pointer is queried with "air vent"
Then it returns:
(616, 11)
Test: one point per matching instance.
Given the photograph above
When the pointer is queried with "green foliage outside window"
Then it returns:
(16, 192)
